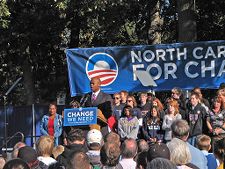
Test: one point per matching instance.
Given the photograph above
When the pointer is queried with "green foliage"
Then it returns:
(4, 14)
(34, 33)
(210, 20)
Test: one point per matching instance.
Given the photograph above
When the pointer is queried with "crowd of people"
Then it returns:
(132, 132)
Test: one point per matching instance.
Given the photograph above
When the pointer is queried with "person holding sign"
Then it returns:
(51, 124)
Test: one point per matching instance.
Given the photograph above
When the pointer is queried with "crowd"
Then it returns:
(143, 132)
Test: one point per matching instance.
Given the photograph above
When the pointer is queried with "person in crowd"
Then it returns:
(98, 98)
(29, 155)
(66, 129)
(221, 94)
(110, 155)
(128, 125)
(2, 161)
(151, 95)
(51, 124)
(180, 154)
(172, 114)
(74, 104)
(94, 142)
(157, 103)
(144, 105)
(161, 163)
(75, 142)
(101, 100)
(117, 107)
(16, 164)
(123, 96)
(203, 143)
(219, 152)
(112, 137)
(180, 129)
(79, 160)
(204, 102)
(142, 146)
(216, 119)
(141, 160)
(196, 118)
(16, 148)
(57, 151)
(128, 152)
(177, 94)
(56, 165)
(158, 150)
(182, 112)
(131, 101)
(152, 126)
(44, 149)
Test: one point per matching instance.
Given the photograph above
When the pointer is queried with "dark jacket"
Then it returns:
(153, 129)
(196, 119)
(38, 165)
(102, 102)
(64, 158)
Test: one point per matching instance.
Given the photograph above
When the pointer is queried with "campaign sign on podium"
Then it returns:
(80, 116)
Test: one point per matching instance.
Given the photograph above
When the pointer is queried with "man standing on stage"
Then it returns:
(97, 98)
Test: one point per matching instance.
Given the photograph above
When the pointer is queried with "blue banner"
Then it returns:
(80, 116)
(141, 68)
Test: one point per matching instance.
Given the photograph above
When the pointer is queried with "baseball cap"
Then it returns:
(158, 150)
(94, 136)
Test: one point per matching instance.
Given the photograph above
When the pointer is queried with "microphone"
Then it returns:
(85, 98)
(82, 99)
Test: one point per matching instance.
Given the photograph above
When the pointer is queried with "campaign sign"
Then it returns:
(80, 116)
(146, 67)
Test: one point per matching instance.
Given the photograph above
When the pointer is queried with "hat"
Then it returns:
(94, 136)
(28, 154)
(151, 93)
(158, 150)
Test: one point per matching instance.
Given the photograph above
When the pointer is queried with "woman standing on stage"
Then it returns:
(51, 124)
(152, 126)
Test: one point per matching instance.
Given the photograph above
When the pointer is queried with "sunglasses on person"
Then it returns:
(129, 100)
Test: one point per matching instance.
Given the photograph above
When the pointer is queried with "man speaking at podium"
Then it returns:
(99, 99)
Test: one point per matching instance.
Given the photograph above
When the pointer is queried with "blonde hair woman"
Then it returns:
(45, 146)
(180, 154)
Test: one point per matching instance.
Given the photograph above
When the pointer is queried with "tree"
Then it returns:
(4, 14)
(34, 33)
(186, 21)
(210, 20)
(154, 32)
(31, 44)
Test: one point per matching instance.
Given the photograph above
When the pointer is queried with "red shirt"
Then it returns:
(51, 126)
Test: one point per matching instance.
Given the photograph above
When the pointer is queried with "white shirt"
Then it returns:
(128, 163)
(96, 93)
(47, 160)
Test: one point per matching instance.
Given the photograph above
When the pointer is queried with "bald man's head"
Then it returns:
(129, 148)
